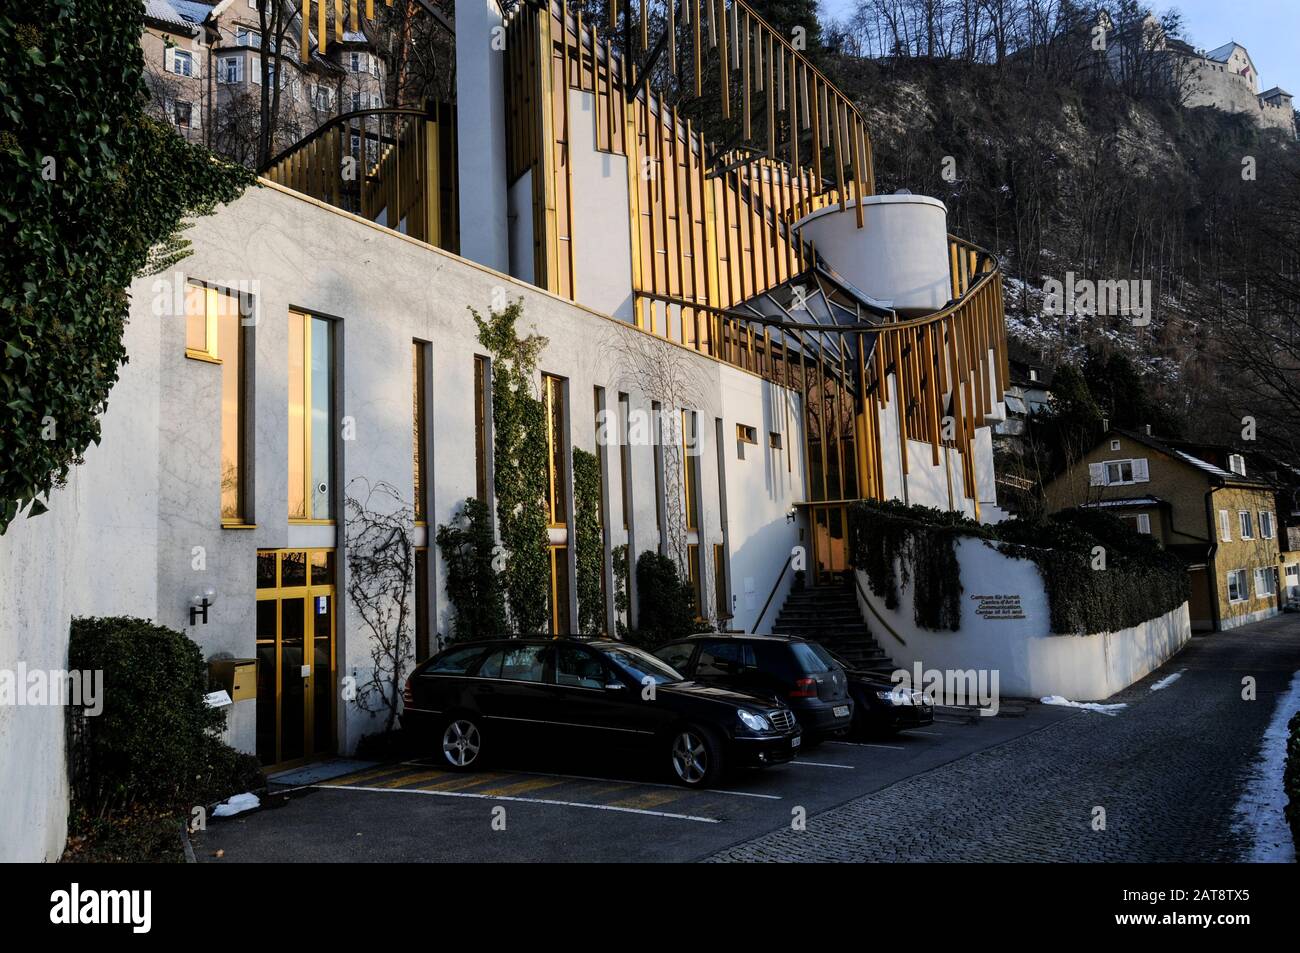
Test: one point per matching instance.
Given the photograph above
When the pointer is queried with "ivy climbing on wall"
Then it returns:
(519, 445)
(590, 543)
(91, 194)
(468, 548)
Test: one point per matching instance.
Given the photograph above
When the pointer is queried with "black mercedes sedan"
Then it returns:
(880, 706)
(476, 697)
(782, 667)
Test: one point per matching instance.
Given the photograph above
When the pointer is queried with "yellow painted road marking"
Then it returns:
(649, 799)
(454, 782)
(526, 800)
(407, 779)
(361, 776)
(523, 787)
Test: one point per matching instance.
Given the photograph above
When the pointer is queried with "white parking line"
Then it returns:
(863, 744)
(524, 800)
(919, 731)
(588, 777)
(823, 764)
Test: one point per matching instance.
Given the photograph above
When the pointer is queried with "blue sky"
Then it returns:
(1270, 29)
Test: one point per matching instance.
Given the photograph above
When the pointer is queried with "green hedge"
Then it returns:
(152, 748)
(590, 543)
(894, 545)
(88, 187)
(665, 602)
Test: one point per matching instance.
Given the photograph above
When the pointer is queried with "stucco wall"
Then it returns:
(1030, 661)
(92, 554)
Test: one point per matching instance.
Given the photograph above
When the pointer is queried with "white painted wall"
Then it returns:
(92, 554)
(1030, 661)
(899, 256)
(602, 244)
(481, 132)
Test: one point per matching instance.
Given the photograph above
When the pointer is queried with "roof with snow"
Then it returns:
(1127, 501)
(187, 14)
(1218, 474)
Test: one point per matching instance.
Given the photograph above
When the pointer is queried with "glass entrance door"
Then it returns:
(296, 672)
(830, 551)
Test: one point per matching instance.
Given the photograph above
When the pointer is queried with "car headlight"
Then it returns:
(754, 722)
(895, 697)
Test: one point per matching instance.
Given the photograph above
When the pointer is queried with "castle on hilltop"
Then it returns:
(1225, 77)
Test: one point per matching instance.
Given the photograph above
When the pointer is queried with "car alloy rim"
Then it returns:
(460, 743)
(690, 760)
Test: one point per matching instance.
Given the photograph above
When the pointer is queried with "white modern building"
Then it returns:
(820, 343)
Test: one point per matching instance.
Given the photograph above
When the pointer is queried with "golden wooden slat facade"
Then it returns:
(713, 239)
(405, 168)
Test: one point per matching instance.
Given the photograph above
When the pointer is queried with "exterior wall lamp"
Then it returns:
(199, 605)
(790, 516)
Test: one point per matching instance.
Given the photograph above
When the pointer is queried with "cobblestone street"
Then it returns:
(1168, 771)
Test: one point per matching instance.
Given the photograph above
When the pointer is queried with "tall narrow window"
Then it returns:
(556, 500)
(421, 604)
(311, 416)
(693, 569)
(721, 596)
(480, 427)
(215, 333)
(656, 414)
(419, 387)
(560, 590)
(625, 455)
(692, 489)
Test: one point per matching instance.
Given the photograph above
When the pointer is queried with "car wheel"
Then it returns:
(695, 756)
(461, 743)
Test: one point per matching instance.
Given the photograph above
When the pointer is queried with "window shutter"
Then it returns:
(1096, 474)
(1144, 523)
(1140, 472)
(169, 59)
(1225, 526)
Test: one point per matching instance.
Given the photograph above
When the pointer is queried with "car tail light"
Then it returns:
(804, 688)
(407, 697)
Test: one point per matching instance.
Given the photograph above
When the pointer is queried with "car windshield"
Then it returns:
(641, 665)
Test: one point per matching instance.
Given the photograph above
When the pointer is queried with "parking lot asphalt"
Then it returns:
(533, 809)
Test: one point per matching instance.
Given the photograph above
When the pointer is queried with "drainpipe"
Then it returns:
(1211, 570)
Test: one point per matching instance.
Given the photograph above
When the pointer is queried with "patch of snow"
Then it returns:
(237, 805)
(1168, 680)
(1259, 813)
(1086, 706)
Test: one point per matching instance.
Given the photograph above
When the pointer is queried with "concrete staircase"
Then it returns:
(829, 614)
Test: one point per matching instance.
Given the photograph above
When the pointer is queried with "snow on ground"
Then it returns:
(1086, 706)
(237, 805)
(1259, 813)
(1168, 680)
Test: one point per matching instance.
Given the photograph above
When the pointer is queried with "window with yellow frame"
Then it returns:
(214, 332)
(557, 506)
(311, 418)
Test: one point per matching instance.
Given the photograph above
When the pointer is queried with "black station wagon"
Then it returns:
(471, 699)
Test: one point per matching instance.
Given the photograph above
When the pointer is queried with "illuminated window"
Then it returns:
(214, 332)
(556, 500)
(480, 427)
(419, 387)
(311, 416)
(692, 489)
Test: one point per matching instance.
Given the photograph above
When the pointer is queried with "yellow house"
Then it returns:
(1198, 502)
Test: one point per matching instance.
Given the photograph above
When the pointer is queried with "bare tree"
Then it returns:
(380, 554)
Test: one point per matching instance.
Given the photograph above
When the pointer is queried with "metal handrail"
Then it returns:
(772, 595)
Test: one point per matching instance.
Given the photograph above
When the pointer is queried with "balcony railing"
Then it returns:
(395, 167)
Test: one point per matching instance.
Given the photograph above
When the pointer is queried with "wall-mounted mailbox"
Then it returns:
(238, 676)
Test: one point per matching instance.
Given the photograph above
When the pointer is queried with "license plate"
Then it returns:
(840, 711)
(794, 742)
